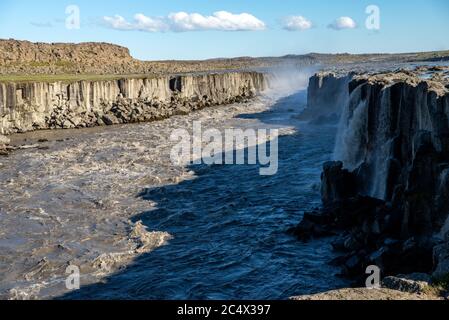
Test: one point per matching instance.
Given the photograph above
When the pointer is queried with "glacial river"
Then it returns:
(110, 201)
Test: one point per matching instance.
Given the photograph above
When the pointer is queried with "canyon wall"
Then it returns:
(393, 141)
(326, 96)
(30, 106)
(386, 194)
(394, 137)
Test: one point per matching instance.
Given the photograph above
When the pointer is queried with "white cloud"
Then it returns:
(221, 20)
(141, 23)
(297, 23)
(145, 23)
(118, 22)
(182, 21)
(343, 23)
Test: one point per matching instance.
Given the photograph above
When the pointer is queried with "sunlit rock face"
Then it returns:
(46, 105)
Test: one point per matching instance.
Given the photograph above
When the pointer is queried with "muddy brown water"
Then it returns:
(110, 201)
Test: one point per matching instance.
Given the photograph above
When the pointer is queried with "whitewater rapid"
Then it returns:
(74, 197)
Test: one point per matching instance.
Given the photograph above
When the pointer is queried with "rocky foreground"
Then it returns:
(385, 199)
(416, 286)
(361, 294)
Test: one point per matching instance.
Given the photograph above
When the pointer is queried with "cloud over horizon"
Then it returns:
(183, 22)
(297, 23)
(343, 23)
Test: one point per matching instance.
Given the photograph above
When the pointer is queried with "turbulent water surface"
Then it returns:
(109, 201)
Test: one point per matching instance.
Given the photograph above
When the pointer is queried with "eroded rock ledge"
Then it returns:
(31, 106)
(386, 198)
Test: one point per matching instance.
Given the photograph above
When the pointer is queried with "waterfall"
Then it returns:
(355, 147)
(284, 81)
(382, 149)
(352, 131)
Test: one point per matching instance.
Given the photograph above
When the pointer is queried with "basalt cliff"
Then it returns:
(385, 197)
(63, 85)
(327, 93)
(26, 106)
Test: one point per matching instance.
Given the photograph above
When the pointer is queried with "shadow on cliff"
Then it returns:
(229, 226)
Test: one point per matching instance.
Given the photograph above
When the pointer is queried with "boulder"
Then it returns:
(110, 119)
(412, 283)
(4, 145)
(4, 140)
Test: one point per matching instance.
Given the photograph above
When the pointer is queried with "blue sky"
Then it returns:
(405, 26)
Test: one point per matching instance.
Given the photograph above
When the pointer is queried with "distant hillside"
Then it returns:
(89, 52)
(26, 58)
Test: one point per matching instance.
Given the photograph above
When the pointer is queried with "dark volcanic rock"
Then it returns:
(387, 198)
(326, 96)
(368, 234)
(412, 283)
(336, 183)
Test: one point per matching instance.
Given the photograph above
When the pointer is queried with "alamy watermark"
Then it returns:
(72, 282)
(373, 280)
(73, 17)
(372, 22)
(231, 147)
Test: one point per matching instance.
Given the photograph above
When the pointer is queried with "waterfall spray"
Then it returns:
(352, 130)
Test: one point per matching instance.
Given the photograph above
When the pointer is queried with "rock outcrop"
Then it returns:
(415, 286)
(4, 143)
(327, 94)
(96, 58)
(394, 136)
(418, 283)
(89, 53)
(386, 197)
(49, 105)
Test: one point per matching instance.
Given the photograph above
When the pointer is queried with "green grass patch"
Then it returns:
(439, 286)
